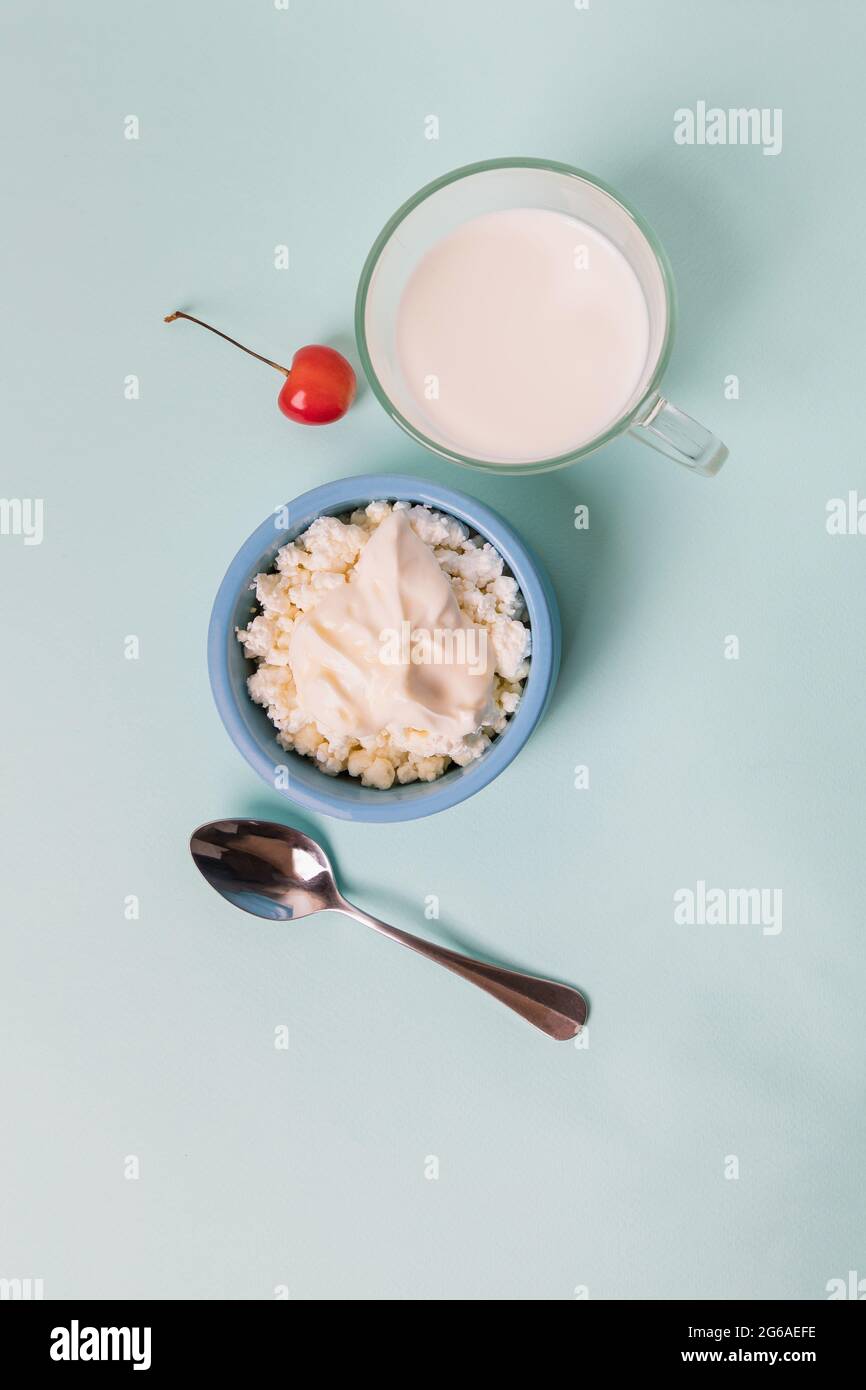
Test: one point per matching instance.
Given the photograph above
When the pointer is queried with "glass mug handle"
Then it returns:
(681, 438)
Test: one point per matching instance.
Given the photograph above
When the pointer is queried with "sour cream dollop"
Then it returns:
(391, 649)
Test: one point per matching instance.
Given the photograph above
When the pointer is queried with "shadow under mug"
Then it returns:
(497, 185)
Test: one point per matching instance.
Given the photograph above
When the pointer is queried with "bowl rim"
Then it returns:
(345, 494)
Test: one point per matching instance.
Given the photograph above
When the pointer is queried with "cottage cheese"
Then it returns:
(324, 559)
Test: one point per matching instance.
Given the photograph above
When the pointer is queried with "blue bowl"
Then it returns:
(298, 778)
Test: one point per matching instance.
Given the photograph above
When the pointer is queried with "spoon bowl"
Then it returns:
(269, 870)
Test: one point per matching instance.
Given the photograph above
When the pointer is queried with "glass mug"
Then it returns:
(504, 184)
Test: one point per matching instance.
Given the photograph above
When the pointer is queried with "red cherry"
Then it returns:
(319, 387)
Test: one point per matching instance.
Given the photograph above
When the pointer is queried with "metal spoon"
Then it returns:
(274, 871)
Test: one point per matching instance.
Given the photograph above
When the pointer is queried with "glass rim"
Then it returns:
(467, 171)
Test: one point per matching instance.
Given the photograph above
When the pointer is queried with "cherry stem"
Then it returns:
(179, 314)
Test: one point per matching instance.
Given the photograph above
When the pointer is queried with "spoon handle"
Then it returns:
(556, 1009)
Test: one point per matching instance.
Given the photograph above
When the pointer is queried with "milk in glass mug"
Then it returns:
(517, 314)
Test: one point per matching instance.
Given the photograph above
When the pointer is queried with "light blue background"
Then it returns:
(558, 1167)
